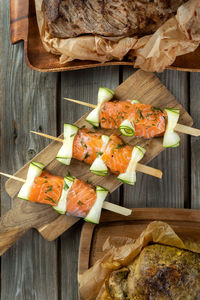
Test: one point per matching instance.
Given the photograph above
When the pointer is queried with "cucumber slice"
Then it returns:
(171, 138)
(135, 101)
(95, 212)
(62, 204)
(65, 153)
(104, 95)
(127, 128)
(93, 117)
(35, 169)
(129, 176)
(99, 167)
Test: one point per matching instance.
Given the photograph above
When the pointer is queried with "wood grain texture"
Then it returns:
(171, 190)
(28, 103)
(185, 222)
(195, 142)
(79, 85)
(39, 59)
(19, 20)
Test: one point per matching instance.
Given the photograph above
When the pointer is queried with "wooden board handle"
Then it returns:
(19, 10)
(11, 229)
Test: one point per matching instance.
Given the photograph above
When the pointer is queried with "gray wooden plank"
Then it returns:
(29, 268)
(171, 191)
(195, 141)
(82, 85)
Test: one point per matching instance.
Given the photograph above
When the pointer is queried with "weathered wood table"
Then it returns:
(34, 268)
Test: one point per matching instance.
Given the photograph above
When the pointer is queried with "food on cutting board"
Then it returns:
(67, 18)
(157, 265)
(134, 118)
(67, 195)
(101, 152)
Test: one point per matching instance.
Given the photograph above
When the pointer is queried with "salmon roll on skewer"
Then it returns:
(100, 151)
(134, 118)
(67, 195)
(148, 121)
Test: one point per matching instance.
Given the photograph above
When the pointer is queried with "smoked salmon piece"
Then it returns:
(148, 121)
(87, 145)
(46, 189)
(81, 198)
(117, 155)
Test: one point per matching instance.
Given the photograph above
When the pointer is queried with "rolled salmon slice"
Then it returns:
(87, 145)
(117, 155)
(46, 189)
(80, 199)
(148, 121)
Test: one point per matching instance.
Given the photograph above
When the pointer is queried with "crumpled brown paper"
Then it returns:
(121, 252)
(178, 36)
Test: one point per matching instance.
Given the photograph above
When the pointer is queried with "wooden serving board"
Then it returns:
(185, 222)
(142, 86)
(24, 27)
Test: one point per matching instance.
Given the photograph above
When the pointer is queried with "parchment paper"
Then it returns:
(178, 36)
(121, 252)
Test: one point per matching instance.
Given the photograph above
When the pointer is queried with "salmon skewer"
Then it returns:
(101, 152)
(67, 195)
(134, 118)
(148, 121)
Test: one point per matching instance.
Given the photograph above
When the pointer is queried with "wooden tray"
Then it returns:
(185, 222)
(24, 27)
(142, 86)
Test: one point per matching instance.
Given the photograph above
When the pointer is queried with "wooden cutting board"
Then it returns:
(24, 27)
(185, 222)
(24, 215)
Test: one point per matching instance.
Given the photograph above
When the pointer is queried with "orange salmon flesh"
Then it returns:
(116, 154)
(48, 188)
(149, 121)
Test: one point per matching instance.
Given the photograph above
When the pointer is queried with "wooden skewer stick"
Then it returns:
(106, 205)
(179, 127)
(81, 102)
(48, 136)
(140, 168)
(187, 130)
(13, 177)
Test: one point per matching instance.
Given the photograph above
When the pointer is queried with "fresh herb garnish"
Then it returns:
(50, 199)
(49, 189)
(65, 186)
(73, 134)
(80, 203)
(86, 155)
(119, 146)
(140, 113)
(99, 153)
